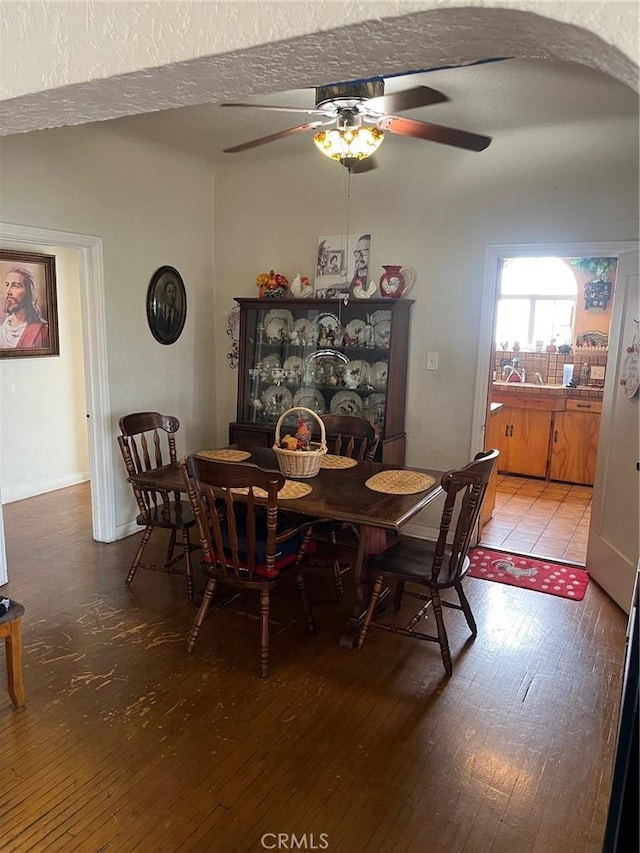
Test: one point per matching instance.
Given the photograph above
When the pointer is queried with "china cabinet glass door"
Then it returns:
(326, 356)
(331, 361)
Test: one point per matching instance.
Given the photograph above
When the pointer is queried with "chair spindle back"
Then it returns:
(141, 445)
(351, 436)
(230, 521)
(465, 489)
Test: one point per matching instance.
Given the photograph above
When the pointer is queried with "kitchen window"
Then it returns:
(537, 302)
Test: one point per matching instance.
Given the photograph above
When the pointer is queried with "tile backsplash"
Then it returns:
(550, 365)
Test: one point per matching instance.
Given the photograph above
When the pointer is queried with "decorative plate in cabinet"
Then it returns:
(357, 374)
(293, 370)
(378, 375)
(310, 398)
(307, 332)
(382, 334)
(325, 367)
(267, 366)
(346, 403)
(355, 334)
(277, 324)
(329, 330)
(276, 399)
(375, 406)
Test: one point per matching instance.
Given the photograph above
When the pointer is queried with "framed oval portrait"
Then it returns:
(166, 305)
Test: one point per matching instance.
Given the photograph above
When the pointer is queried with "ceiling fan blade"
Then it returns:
(435, 133)
(311, 112)
(420, 96)
(281, 134)
(357, 167)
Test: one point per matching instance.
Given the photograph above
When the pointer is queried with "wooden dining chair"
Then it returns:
(357, 439)
(148, 441)
(245, 544)
(434, 566)
(350, 436)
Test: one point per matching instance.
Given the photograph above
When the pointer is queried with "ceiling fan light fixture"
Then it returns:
(349, 143)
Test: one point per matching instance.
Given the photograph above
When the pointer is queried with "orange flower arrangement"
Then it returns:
(271, 284)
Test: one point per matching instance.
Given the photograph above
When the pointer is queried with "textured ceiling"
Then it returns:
(385, 46)
(491, 98)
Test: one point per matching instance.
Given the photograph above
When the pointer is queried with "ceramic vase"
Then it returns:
(396, 281)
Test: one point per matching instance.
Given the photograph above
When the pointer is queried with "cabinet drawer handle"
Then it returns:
(555, 436)
(506, 431)
(583, 405)
(511, 432)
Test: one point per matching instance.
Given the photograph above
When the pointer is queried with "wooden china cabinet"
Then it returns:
(325, 355)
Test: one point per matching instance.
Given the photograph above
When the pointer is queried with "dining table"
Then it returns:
(337, 495)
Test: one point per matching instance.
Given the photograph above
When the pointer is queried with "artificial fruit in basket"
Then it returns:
(289, 442)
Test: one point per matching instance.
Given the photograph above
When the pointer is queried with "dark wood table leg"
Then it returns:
(360, 576)
(362, 580)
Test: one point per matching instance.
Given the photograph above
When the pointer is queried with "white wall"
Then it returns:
(151, 207)
(43, 430)
(436, 209)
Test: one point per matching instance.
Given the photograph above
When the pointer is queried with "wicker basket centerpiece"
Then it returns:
(300, 463)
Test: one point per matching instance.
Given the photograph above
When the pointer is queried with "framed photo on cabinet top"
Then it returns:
(341, 259)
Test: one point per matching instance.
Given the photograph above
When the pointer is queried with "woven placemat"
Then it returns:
(291, 489)
(399, 482)
(331, 461)
(224, 455)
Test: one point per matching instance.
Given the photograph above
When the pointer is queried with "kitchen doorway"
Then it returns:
(535, 512)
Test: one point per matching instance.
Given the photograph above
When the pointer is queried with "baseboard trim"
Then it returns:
(10, 494)
(127, 529)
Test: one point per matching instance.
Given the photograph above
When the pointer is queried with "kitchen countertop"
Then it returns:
(535, 390)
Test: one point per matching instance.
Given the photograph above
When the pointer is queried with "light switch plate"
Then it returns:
(432, 361)
(597, 371)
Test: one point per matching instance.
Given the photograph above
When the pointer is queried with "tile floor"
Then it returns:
(541, 519)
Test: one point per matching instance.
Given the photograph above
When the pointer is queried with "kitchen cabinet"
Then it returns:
(325, 355)
(552, 436)
(492, 440)
(524, 441)
(575, 442)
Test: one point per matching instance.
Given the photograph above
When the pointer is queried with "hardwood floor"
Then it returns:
(129, 744)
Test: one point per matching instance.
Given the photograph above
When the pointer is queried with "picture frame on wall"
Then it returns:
(166, 305)
(29, 305)
(597, 295)
(341, 259)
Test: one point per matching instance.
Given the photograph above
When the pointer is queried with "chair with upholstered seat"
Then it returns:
(357, 439)
(434, 566)
(147, 442)
(245, 544)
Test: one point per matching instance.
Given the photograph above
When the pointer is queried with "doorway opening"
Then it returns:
(551, 318)
(92, 306)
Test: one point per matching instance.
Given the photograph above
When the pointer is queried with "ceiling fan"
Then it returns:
(360, 113)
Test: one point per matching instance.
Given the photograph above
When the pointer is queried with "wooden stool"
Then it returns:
(10, 625)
